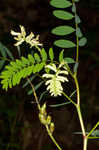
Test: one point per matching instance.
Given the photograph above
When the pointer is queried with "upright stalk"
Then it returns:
(85, 139)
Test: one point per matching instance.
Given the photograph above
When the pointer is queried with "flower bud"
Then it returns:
(48, 119)
(52, 127)
(42, 119)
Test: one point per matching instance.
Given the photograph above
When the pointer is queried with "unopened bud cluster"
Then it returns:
(46, 119)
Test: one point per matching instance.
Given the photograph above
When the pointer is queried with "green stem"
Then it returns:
(96, 137)
(52, 138)
(77, 39)
(47, 128)
(77, 89)
(81, 121)
(85, 139)
(36, 98)
(69, 98)
(77, 43)
(97, 124)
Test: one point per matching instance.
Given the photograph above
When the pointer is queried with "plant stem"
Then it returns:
(47, 128)
(77, 89)
(85, 139)
(52, 138)
(97, 124)
(36, 98)
(77, 39)
(69, 98)
(81, 121)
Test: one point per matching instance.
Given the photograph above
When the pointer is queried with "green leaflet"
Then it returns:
(78, 32)
(64, 43)
(43, 55)
(82, 41)
(69, 60)
(37, 57)
(63, 30)
(51, 54)
(60, 3)
(31, 58)
(38, 67)
(77, 19)
(61, 14)
(74, 8)
(61, 56)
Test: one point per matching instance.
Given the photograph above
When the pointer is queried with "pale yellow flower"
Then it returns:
(21, 37)
(33, 41)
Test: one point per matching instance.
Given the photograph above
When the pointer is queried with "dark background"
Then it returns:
(20, 128)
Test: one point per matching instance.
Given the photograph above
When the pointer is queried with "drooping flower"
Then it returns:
(54, 80)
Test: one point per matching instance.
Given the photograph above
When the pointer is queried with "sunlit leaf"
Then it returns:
(61, 56)
(43, 54)
(51, 54)
(37, 57)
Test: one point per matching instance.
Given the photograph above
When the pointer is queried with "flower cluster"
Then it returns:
(46, 119)
(54, 81)
(21, 37)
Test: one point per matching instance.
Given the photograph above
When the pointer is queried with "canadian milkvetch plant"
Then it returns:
(55, 73)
